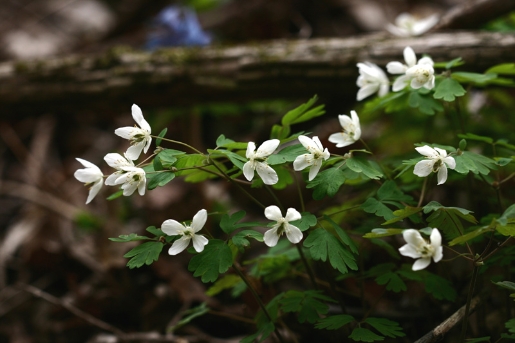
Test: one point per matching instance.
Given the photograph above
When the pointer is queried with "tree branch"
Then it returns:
(184, 76)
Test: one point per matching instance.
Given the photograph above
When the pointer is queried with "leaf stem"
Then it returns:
(469, 298)
(180, 143)
(423, 193)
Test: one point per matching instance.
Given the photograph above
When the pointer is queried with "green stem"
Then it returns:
(307, 266)
(180, 143)
(423, 193)
(258, 299)
(467, 306)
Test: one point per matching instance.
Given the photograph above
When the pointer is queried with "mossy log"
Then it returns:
(264, 70)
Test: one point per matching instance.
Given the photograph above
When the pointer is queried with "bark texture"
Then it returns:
(265, 70)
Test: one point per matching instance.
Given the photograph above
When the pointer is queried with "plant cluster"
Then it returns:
(394, 201)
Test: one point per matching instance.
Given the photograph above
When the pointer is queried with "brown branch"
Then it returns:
(474, 13)
(438, 332)
(183, 76)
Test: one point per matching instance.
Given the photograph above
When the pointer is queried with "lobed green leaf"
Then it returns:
(216, 258)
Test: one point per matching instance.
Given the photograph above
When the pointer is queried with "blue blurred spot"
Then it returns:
(176, 26)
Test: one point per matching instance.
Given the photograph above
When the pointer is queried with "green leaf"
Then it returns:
(389, 194)
(439, 287)
(222, 141)
(510, 325)
(216, 258)
(451, 64)
(160, 179)
(402, 214)
(308, 305)
(382, 233)
(361, 165)
(475, 78)
(364, 335)
(448, 90)
(392, 102)
(470, 235)
(473, 137)
(229, 222)
(425, 103)
(506, 222)
(145, 253)
(507, 285)
(303, 112)
(503, 69)
(386, 327)
(168, 157)
(240, 239)
(288, 154)
(306, 221)
(392, 281)
(115, 195)
(263, 332)
(160, 136)
(129, 238)
(225, 282)
(327, 182)
(274, 268)
(236, 159)
(334, 322)
(342, 235)
(188, 316)
(447, 219)
(472, 162)
(323, 246)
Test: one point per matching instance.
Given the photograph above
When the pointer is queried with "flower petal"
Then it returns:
(293, 234)
(409, 251)
(248, 171)
(438, 254)
(126, 132)
(199, 242)
(267, 173)
(142, 186)
(199, 220)
(111, 179)
(292, 214)
(315, 168)
(134, 151)
(117, 161)
(366, 91)
(93, 191)
(86, 164)
(426, 150)
(306, 142)
(172, 227)
(413, 237)
(302, 161)
(424, 168)
(341, 139)
(251, 147)
(442, 174)
(139, 119)
(450, 161)
(267, 148)
(396, 67)
(273, 213)
(409, 56)
(271, 237)
(421, 263)
(87, 175)
(400, 83)
(179, 245)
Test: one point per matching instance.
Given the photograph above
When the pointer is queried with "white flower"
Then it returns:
(418, 247)
(131, 178)
(257, 161)
(372, 79)
(139, 137)
(92, 177)
(293, 233)
(351, 130)
(419, 74)
(407, 25)
(173, 228)
(314, 158)
(436, 161)
(120, 163)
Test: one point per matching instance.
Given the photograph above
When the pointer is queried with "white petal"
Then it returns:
(111, 179)
(248, 171)
(315, 168)
(199, 242)
(409, 56)
(87, 175)
(273, 213)
(396, 67)
(396, 31)
(138, 118)
(450, 161)
(442, 174)
(271, 238)
(318, 144)
(172, 227)
(148, 142)
(436, 238)
(293, 234)
(267, 148)
(425, 24)
(129, 188)
(345, 121)
(292, 214)
(117, 161)
(384, 89)
(409, 251)
(426, 60)
(423, 168)
(357, 127)
(179, 245)
(426, 150)
(86, 164)
(302, 161)
(267, 173)
(340, 139)
(199, 220)
(93, 191)
(126, 132)
(134, 151)
(413, 237)
(400, 83)
(306, 142)
(441, 152)
(430, 84)
(366, 91)
(251, 147)
(438, 254)
(142, 186)
(421, 263)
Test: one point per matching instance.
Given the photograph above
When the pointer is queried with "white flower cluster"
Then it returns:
(417, 247)
(129, 176)
(372, 79)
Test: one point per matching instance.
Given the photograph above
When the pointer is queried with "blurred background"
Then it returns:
(51, 240)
